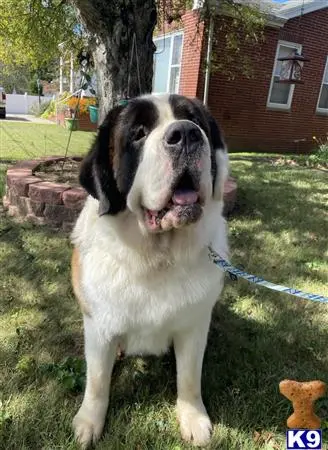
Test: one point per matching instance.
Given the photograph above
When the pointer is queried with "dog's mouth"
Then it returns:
(184, 207)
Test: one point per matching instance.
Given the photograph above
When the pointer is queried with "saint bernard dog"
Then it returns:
(140, 266)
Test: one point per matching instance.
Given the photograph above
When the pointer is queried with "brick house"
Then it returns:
(258, 113)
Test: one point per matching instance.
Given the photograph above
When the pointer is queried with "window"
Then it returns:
(322, 106)
(167, 63)
(281, 94)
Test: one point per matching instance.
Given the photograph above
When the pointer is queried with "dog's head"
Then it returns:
(162, 157)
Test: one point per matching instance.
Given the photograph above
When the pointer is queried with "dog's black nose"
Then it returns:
(183, 135)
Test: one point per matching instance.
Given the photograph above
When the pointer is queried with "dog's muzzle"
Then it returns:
(183, 141)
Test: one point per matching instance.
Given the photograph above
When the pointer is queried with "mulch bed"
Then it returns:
(60, 172)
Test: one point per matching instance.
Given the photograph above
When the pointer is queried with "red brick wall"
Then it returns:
(193, 41)
(240, 105)
(193, 49)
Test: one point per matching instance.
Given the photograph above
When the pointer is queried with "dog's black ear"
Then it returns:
(97, 175)
(215, 133)
(219, 157)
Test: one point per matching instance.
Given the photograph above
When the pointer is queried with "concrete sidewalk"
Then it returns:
(27, 118)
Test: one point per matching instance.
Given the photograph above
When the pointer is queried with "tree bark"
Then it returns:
(111, 25)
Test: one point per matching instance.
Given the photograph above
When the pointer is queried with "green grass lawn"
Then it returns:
(258, 337)
(29, 140)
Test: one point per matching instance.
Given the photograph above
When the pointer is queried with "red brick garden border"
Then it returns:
(42, 202)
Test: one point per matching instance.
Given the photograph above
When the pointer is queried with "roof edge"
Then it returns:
(273, 19)
(298, 11)
(276, 17)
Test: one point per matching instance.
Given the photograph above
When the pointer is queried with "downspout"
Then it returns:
(61, 64)
(71, 74)
(208, 60)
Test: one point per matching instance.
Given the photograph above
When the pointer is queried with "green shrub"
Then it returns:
(320, 156)
(50, 111)
(34, 88)
(38, 110)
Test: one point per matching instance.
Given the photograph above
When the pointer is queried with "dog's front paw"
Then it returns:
(87, 428)
(195, 425)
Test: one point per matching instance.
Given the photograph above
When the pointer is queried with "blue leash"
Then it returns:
(227, 267)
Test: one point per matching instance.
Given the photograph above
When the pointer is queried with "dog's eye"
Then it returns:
(140, 133)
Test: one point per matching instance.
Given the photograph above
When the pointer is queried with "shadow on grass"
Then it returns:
(257, 337)
(275, 208)
(16, 119)
(246, 360)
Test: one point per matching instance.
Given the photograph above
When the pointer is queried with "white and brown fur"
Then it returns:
(140, 289)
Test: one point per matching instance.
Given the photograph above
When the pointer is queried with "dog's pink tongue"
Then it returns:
(184, 197)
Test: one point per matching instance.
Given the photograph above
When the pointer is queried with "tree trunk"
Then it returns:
(111, 25)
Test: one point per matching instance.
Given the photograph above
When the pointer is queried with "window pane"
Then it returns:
(283, 52)
(323, 103)
(161, 64)
(279, 92)
(177, 47)
(325, 78)
(174, 80)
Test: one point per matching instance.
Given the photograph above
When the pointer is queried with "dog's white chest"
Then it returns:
(143, 290)
(145, 311)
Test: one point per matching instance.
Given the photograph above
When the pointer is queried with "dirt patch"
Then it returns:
(302, 161)
(299, 162)
(60, 172)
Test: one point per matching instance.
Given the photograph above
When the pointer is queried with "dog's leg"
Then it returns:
(189, 346)
(100, 356)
